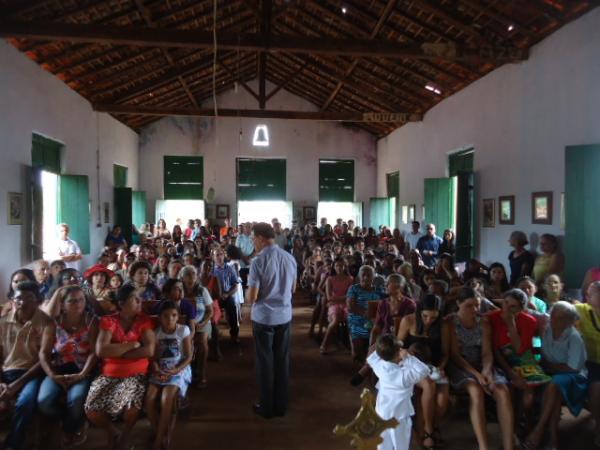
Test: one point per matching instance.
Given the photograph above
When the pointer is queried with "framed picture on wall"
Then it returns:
(541, 208)
(506, 210)
(308, 213)
(15, 208)
(222, 211)
(412, 213)
(489, 212)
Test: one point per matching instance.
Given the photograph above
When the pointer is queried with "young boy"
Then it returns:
(398, 372)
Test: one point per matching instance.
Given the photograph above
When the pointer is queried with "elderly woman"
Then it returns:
(427, 327)
(98, 289)
(589, 327)
(68, 359)
(125, 344)
(392, 309)
(520, 259)
(551, 260)
(553, 288)
(563, 357)
(358, 297)
(472, 369)
(413, 290)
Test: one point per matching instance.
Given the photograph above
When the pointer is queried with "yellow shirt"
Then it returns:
(20, 343)
(589, 327)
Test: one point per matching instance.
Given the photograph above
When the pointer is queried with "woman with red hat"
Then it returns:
(98, 289)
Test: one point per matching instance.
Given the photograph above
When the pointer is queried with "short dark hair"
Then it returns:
(166, 305)
(29, 286)
(264, 230)
(387, 347)
(124, 293)
(166, 289)
(139, 265)
(27, 272)
(465, 294)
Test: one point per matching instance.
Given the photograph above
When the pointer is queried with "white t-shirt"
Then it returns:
(66, 248)
(412, 239)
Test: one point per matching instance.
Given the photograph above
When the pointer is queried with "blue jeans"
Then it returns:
(72, 413)
(24, 408)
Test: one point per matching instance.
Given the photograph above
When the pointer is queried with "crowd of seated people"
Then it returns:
(135, 330)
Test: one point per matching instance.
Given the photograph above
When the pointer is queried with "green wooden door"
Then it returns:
(74, 208)
(379, 212)
(465, 216)
(440, 203)
(138, 200)
(582, 210)
(123, 205)
(119, 175)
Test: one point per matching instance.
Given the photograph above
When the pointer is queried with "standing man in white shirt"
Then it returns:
(68, 250)
(413, 237)
(245, 243)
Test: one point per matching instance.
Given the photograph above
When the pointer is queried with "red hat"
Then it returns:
(96, 269)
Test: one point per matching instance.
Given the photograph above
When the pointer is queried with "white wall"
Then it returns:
(519, 119)
(32, 100)
(300, 142)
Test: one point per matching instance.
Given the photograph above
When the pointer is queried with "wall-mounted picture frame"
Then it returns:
(541, 208)
(309, 213)
(562, 210)
(412, 213)
(222, 211)
(506, 210)
(15, 208)
(489, 213)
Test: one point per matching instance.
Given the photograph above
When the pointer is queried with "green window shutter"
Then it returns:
(74, 208)
(183, 177)
(261, 179)
(440, 203)
(123, 208)
(460, 162)
(45, 154)
(393, 184)
(138, 200)
(120, 175)
(336, 180)
(379, 212)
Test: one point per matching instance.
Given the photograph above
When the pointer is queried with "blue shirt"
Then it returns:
(273, 272)
(568, 349)
(246, 245)
(429, 244)
(226, 276)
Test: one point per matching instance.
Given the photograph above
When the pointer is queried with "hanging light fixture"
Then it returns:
(261, 136)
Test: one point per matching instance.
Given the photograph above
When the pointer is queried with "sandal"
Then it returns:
(426, 436)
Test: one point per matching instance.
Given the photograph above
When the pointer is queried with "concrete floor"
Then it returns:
(220, 416)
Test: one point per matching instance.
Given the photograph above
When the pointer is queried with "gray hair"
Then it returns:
(187, 270)
(568, 309)
(364, 268)
(396, 278)
(518, 295)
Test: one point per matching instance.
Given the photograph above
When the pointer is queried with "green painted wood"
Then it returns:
(123, 208)
(138, 200)
(379, 212)
(465, 216)
(393, 184)
(74, 208)
(582, 210)
(462, 161)
(336, 180)
(119, 175)
(183, 177)
(261, 179)
(440, 203)
(45, 154)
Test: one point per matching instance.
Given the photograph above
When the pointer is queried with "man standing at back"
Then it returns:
(429, 246)
(271, 283)
(68, 250)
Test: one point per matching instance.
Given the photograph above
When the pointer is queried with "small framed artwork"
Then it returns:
(15, 208)
(308, 213)
(506, 210)
(489, 212)
(412, 213)
(222, 211)
(106, 212)
(562, 210)
(541, 208)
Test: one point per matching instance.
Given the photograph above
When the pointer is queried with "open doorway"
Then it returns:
(265, 211)
(461, 166)
(341, 210)
(50, 214)
(178, 212)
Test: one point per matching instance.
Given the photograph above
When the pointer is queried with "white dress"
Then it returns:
(394, 392)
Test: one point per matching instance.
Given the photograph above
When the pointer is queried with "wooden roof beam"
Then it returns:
(145, 37)
(261, 113)
(498, 17)
(287, 80)
(233, 75)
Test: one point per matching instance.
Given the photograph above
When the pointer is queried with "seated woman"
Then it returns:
(193, 290)
(472, 369)
(170, 373)
(68, 358)
(513, 331)
(392, 309)
(550, 261)
(427, 327)
(173, 291)
(448, 243)
(527, 285)
(357, 298)
(498, 284)
(18, 276)
(553, 290)
(115, 238)
(160, 271)
(125, 343)
(563, 357)
(414, 291)
(209, 281)
(479, 286)
(336, 288)
(98, 289)
(139, 275)
(444, 270)
(589, 327)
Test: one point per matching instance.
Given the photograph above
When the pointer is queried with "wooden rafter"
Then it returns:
(144, 37)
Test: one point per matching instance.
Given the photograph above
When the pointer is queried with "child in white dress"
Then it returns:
(398, 372)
